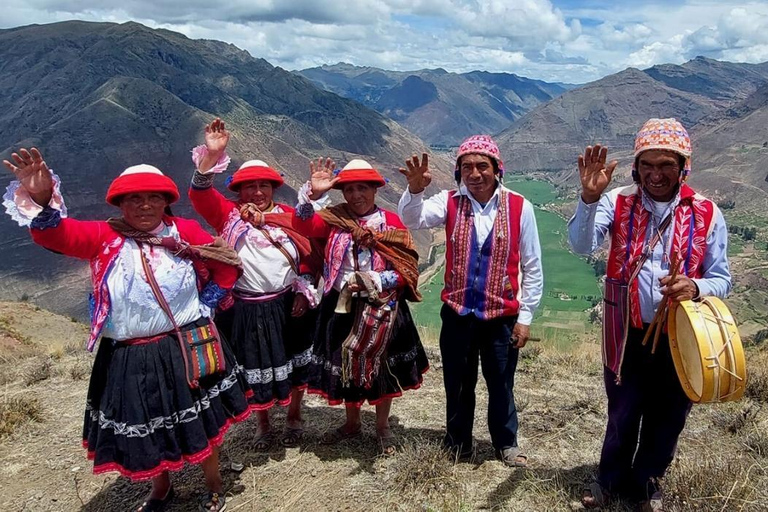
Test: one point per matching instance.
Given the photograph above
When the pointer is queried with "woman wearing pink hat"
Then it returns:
(271, 322)
(366, 345)
(152, 403)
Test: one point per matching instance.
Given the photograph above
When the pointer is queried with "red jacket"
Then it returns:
(98, 243)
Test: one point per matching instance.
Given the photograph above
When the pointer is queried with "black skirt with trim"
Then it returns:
(274, 347)
(404, 364)
(141, 416)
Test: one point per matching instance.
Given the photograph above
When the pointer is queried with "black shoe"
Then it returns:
(157, 505)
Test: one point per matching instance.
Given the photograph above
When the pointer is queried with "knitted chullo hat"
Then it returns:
(480, 145)
(253, 170)
(359, 170)
(141, 178)
(665, 134)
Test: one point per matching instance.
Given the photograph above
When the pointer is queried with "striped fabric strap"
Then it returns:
(158, 293)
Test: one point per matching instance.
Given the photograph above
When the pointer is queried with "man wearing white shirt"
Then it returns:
(493, 284)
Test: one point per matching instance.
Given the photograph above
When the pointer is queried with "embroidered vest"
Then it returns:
(691, 224)
(483, 281)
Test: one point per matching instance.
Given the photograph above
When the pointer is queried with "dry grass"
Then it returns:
(423, 476)
(17, 410)
(757, 368)
(722, 463)
(40, 370)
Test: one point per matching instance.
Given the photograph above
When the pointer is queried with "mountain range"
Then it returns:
(440, 107)
(98, 97)
(720, 103)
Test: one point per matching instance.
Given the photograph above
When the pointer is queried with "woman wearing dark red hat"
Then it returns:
(272, 320)
(151, 403)
(366, 345)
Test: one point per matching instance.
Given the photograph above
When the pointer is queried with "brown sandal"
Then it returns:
(595, 496)
(292, 437)
(513, 457)
(388, 445)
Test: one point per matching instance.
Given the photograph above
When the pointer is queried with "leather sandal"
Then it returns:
(292, 437)
(155, 504)
(595, 496)
(213, 502)
(512, 456)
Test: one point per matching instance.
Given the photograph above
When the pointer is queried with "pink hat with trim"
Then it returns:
(481, 145)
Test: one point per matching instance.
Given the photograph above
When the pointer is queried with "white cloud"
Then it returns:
(555, 40)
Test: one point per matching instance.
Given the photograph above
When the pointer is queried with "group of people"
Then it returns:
(199, 332)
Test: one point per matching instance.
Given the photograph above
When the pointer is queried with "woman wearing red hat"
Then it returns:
(152, 405)
(366, 345)
(271, 322)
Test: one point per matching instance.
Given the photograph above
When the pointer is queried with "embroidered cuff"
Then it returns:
(212, 294)
(199, 152)
(22, 209)
(389, 279)
(47, 218)
(305, 285)
(202, 181)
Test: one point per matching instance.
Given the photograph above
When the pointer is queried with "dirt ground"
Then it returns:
(721, 462)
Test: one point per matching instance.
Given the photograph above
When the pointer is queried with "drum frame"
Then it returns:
(710, 309)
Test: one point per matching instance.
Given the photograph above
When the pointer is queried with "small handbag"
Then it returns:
(616, 304)
(200, 346)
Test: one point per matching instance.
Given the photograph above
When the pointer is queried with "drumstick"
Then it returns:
(657, 317)
(665, 306)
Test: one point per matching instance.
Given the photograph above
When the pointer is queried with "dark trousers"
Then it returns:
(646, 414)
(464, 339)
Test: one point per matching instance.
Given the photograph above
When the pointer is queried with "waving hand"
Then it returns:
(418, 174)
(31, 170)
(321, 177)
(594, 173)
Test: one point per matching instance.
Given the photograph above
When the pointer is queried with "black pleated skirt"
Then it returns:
(274, 348)
(141, 416)
(403, 367)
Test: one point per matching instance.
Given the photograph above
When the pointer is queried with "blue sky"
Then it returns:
(555, 40)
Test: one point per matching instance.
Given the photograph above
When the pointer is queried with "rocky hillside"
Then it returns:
(98, 97)
(440, 107)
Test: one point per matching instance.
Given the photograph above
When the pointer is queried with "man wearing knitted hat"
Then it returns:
(493, 284)
(655, 224)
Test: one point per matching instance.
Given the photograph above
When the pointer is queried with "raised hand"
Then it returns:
(321, 177)
(594, 173)
(216, 136)
(418, 174)
(216, 140)
(31, 170)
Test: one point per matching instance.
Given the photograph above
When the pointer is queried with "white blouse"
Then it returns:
(135, 312)
(265, 267)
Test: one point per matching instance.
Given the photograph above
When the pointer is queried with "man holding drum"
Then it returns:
(668, 243)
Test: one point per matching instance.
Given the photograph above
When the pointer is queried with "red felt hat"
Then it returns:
(253, 170)
(359, 170)
(141, 178)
